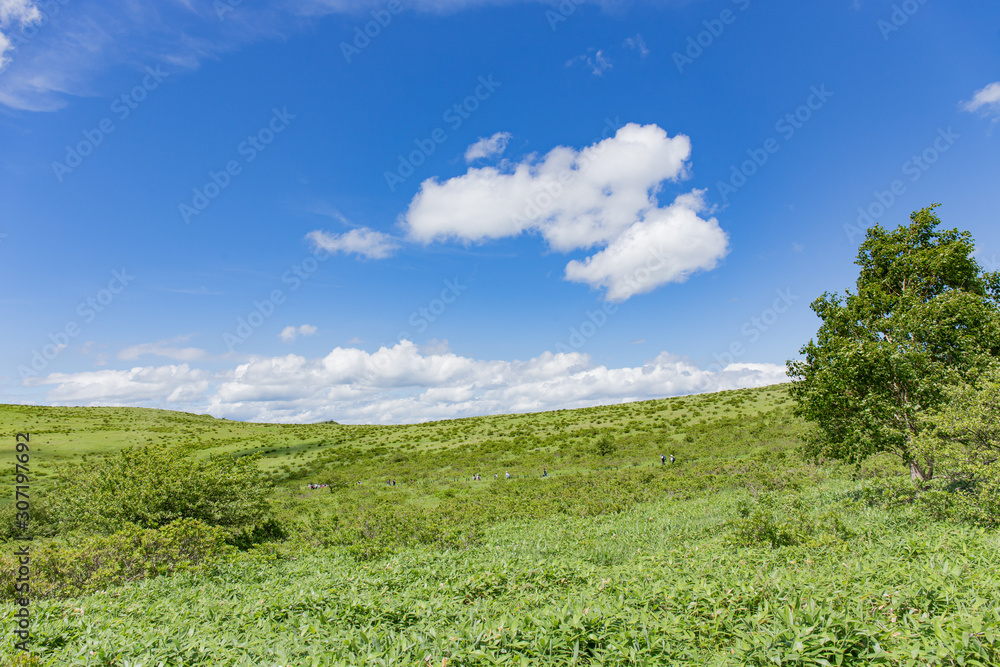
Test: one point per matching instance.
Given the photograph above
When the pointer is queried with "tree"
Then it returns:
(925, 317)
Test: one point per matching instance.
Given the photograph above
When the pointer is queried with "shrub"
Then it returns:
(152, 486)
(268, 531)
(43, 522)
(605, 445)
(772, 520)
(128, 555)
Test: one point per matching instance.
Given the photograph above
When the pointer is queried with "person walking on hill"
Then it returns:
(672, 459)
(508, 474)
(663, 460)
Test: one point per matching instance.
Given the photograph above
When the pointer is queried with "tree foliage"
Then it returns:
(924, 317)
(963, 441)
(151, 486)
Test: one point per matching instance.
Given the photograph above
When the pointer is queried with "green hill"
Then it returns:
(740, 552)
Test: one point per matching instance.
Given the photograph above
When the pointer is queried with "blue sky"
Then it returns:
(260, 211)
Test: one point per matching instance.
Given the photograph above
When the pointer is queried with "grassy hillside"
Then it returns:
(739, 553)
(454, 448)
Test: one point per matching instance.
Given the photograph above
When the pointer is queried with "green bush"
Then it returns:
(42, 522)
(152, 486)
(605, 445)
(268, 531)
(128, 555)
(976, 502)
(769, 519)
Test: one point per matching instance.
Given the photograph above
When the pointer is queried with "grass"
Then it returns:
(656, 585)
(610, 560)
(293, 451)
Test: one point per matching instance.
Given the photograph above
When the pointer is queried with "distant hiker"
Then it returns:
(672, 459)
(496, 476)
(545, 473)
(663, 460)
(508, 474)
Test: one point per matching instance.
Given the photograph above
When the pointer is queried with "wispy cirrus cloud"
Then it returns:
(16, 16)
(487, 147)
(986, 101)
(164, 348)
(637, 44)
(593, 60)
(290, 333)
(363, 242)
(70, 51)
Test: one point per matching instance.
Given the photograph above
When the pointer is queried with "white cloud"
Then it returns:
(85, 41)
(14, 16)
(163, 348)
(487, 147)
(364, 242)
(401, 384)
(290, 333)
(666, 247)
(597, 63)
(603, 195)
(986, 99)
(637, 43)
(138, 386)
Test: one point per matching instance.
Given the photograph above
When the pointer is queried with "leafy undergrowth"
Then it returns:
(663, 583)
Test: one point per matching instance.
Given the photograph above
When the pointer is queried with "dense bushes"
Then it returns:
(961, 442)
(373, 523)
(783, 519)
(152, 486)
(654, 586)
(939, 499)
(130, 554)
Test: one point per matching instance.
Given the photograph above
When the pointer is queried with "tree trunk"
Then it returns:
(918, 473)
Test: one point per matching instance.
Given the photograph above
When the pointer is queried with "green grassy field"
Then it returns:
(458, 448)
(611, 559)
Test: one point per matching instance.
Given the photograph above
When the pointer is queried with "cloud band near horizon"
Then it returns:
(395, 385)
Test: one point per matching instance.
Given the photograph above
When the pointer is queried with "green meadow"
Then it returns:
(743, 551)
